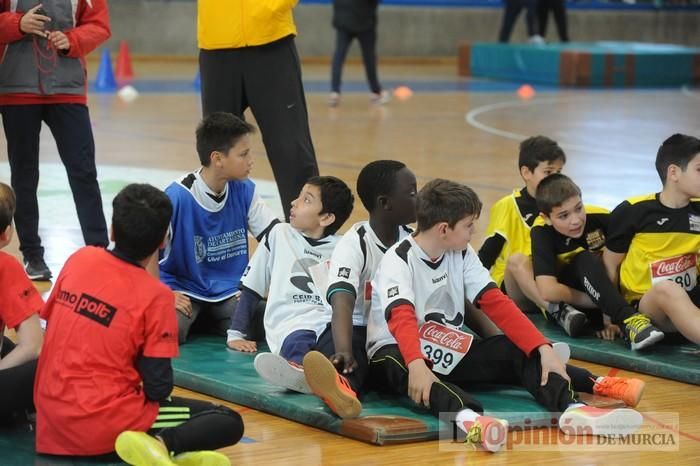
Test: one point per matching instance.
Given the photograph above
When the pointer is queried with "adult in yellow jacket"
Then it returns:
(248, 58)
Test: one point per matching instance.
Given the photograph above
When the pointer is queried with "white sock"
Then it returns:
(575, 405)
(465, 415)
(599, 379)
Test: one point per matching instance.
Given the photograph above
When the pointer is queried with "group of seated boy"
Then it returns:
(416, 312)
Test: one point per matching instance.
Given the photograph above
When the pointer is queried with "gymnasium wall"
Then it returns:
(161, 27)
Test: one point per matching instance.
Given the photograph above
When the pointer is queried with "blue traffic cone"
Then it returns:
(104, 82)
(197, 82)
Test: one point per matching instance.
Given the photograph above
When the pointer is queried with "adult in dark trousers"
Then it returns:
(512, 9)
(43, 78)
(248, 58)
(356, 19)
(558, 8)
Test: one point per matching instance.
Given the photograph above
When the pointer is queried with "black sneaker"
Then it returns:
(640, 333)
(572, 320)
(37, 269)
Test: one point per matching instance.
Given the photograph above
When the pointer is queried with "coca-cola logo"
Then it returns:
(674, 266)
(447, 337)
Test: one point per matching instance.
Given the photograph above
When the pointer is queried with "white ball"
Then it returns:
(128, 93)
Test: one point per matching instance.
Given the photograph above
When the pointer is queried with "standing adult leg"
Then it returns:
(220, 72)
(343, 39)
(559, 8)
(368, 46)
(510, 14)
(543, 7)
(71, 128)
(22, 124)
(273, 86)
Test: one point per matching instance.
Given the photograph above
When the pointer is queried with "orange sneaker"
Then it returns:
(628, 390)
(489, 432)
(589, 420)
(330, 386)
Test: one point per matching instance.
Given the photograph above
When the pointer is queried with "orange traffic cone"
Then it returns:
(124, 72)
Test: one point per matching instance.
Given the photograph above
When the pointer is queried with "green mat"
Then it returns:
(17, 447)
(206, 366)
(673, 358)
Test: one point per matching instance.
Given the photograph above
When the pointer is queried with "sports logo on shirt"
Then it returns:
(301, 280)
(595, 239)
(661, 221)
(344, 272)
(200, 250)
(96, 310)
(393, 291)
(694, 222)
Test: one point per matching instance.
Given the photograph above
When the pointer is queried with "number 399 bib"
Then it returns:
(444, 346)
(680, 269)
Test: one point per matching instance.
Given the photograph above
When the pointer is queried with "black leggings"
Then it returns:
(191, 425)
(493, 360)
(586, 273)
(368, 46)
(16, 387)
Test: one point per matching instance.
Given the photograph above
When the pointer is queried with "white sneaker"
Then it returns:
(536, 40)
(278, 371)
(380, 98)
(562, 351)
(589, 420)
(334, 99)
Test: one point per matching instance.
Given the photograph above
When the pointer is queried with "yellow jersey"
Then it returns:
(226, 24)
(660, 243)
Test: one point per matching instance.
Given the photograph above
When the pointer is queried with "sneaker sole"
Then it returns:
(616, 423)
(201, 458)
(321, 377)
(134, 451)
(633, 403)
(277, 371)
(40, 278)
(654, 338)
(495, 437)
(562, 351)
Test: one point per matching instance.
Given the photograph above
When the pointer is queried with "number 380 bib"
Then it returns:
(680, 269)
(444, 346)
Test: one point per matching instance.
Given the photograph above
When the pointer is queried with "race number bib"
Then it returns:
(680, 269)
(444, 346)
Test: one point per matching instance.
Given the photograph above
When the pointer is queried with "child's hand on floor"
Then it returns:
(245, 346)
(609, 332)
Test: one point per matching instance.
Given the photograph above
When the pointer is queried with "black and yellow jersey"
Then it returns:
(508, 232)
(660, 243)
(551, 250)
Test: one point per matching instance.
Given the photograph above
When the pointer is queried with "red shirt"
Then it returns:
(18, 297)
(103, 314)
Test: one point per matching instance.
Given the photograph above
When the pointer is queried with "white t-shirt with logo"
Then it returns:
(353, 264)
(437, 290)
(279, 270)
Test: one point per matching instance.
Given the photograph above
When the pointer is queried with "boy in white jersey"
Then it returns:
(214, 207)
(653, 242)
(387, 189)
(296, 313)
(414, 338)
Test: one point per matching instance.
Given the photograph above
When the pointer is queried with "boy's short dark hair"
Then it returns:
(8, 204)
(336, 198)
(537, 149)
(377, 178)
(553, 191)
(140, 219)
(445, 201)
(219, 131)
(679, 150)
